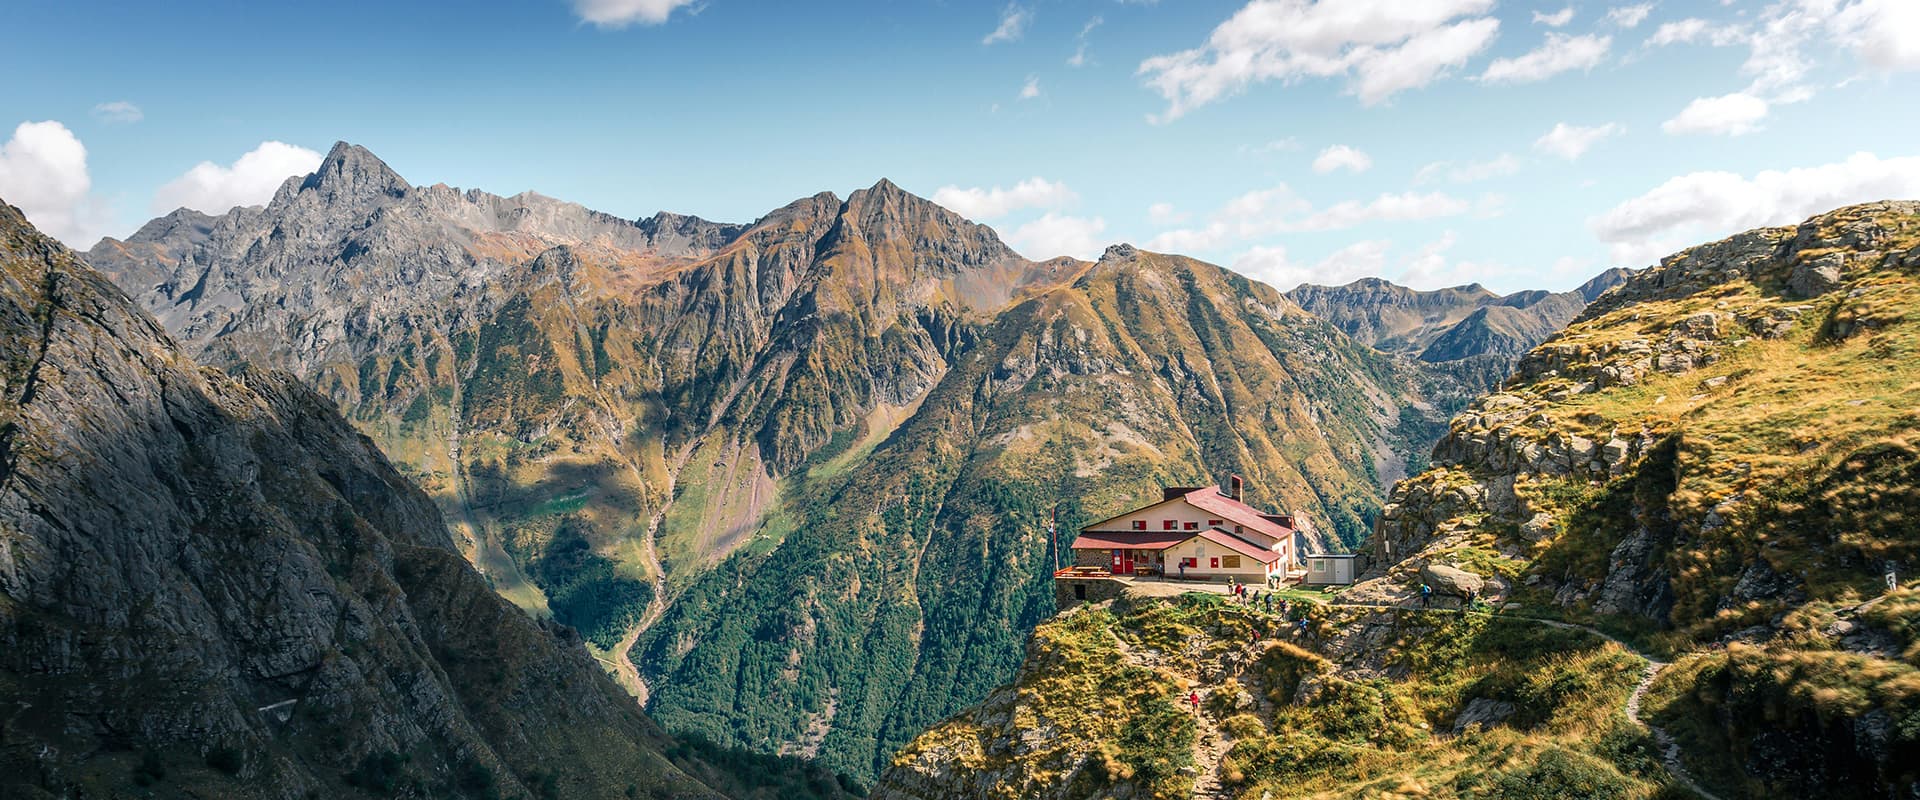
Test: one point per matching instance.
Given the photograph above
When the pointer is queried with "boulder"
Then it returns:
(1453, 581)
(1817, 276)
(1485, 712)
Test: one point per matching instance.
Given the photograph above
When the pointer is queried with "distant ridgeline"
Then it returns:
(1718, 462)
(786, 477)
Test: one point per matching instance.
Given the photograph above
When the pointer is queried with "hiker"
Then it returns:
(1194, 699)
(1183, 569)
(1303, 626)
(1426, 596)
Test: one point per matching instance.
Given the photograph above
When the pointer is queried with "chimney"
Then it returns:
(1233, 486)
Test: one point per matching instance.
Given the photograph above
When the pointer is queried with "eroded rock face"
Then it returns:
(1691, 313)
(215, 576)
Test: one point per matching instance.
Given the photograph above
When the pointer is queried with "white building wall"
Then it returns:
(1181, 514)
(1204, 554)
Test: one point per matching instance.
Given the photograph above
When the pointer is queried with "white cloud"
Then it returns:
(1680, 31)
(1166, 214)
(1030, 89)
(1013, 24)
(118, 111)
(43, 171)
(1705, 205)
(1341, 156)
(1388, 207)
(1381, 47)
(1058, 235)
(1468, 172)
(621, 13)
(1270, 265)
(213, 189)
(977, 203)
(1079, 57)
(1560, 53)
(1783, 43)
(1884, 34)
(1629, 16)
(1573, 141)
(1274, 146)
(1555, 19)
(1730, 115)
(1279, 210)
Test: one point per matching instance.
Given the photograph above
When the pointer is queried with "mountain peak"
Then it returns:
(352, 172)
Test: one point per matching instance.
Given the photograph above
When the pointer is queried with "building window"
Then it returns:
(1079, 591)
(1139, 524)
(1214, 523)
(1214, 562)
(1319, 566)
(1231, 562)
(1238, 529)
(1169, 525)
(1193, 526)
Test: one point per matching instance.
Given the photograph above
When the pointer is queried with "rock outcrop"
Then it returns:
(1722, 450)
(211, 585)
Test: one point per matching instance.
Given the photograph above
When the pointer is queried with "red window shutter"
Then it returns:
(1214, 523)
(1215, 562)
(1193, 526)
(1139, 524)
(1167, 525)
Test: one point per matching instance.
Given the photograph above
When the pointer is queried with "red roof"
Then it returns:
(1236, 544)
(1211, 500)
(1129, 540)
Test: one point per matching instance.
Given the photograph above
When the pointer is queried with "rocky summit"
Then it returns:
(786, 477)
(1454, 324)
(213, 586)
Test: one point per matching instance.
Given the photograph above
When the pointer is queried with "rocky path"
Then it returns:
(1669, 749)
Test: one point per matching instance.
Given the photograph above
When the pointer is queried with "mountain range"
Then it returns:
(789, 479)
(1452, 324)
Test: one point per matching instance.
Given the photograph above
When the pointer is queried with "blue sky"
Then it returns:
(1291, 139)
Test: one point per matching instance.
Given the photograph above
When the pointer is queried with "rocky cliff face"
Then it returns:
(213, 586)
(794, 468)
(1460, 323)
(1721, 455)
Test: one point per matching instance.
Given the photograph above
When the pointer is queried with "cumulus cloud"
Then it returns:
(1730, 115)
(119, 111)
(1883, 34)
(43, 171)
(1555, 19)
(1013, 25)
(250, 180)
(1341, 156)
(1030, 89)
(1381, 47)
(1629, 16)
(1560, 53)
(621, 13)
(1784, 39)
(1705, 205)
(1573, 141)
(1059, 235)
(1468, 171)
(1271, 265)
(977, 203)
